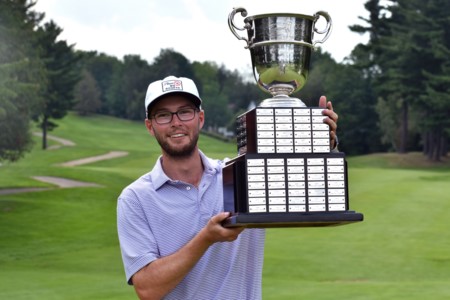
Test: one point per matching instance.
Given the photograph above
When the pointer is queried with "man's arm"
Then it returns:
(162, 275)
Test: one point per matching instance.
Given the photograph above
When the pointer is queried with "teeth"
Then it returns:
(178, 135)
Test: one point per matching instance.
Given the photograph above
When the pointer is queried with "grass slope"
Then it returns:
(62, 243)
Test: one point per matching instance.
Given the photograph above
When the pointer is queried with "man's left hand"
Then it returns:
(331, 120)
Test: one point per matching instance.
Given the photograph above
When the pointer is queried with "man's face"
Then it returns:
(176, 138)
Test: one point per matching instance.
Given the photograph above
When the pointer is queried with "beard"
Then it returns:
(177, 152)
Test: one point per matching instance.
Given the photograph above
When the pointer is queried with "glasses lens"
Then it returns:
(185, 114)
(163, 117)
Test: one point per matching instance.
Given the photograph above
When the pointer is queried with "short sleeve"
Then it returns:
(137, 242)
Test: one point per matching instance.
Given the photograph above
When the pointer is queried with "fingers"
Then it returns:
(329, 105)
(331, 120)
(218, 233)
(233, 233)
(323, 102)
(220, 217)
(332, 116)
(328, 111)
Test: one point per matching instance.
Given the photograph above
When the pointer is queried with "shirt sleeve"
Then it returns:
(137, 242)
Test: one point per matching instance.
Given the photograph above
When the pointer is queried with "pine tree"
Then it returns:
(21, 77)
(434, 102)
(62, 75)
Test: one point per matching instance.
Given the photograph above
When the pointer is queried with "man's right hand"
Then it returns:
(214, 231)
(158, 278)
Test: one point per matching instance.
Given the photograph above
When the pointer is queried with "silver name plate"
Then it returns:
(291, 130)
(295, 184)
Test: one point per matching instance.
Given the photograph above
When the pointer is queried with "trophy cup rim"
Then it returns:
(280, 14)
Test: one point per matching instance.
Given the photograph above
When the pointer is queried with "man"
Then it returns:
(169, 220)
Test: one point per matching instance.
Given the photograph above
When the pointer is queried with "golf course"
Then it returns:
(60, 241)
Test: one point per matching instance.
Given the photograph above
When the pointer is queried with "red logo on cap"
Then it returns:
(172, 85)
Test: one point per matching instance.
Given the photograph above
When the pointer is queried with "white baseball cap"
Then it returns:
(169, 85)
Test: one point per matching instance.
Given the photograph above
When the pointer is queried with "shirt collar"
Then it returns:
(159, 178)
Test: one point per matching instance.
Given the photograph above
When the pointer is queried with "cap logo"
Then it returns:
(172, 85)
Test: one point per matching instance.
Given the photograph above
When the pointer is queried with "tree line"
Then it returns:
(407, 63)
(392, 93)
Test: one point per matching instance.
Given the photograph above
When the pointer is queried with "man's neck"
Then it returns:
(187, 169)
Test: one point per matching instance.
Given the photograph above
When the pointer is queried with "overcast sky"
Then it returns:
(198, 29)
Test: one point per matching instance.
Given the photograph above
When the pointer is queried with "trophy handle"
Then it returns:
(327, 29)
(232, 26)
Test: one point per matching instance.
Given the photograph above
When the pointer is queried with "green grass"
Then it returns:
(62, 243)
(400, 251)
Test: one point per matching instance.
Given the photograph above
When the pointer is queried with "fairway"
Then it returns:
(61, 243)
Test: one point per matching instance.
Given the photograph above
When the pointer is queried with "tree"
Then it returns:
(419, 74)
(87, 95)
(240, 93)
(408, 54)
(102, 67)
(400, 81)
(126, 94)
(434, 100)
(170, 62)
(21, 77)
(367, 60)
(214, 102)
(349, 89)
(62, 75)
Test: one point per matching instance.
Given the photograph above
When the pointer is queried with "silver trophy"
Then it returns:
(280, 46)
(285, 174)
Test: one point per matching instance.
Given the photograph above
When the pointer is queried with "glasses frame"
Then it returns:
(153, 117)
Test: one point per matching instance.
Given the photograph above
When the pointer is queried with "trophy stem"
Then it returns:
(280, 93)
(280, 89)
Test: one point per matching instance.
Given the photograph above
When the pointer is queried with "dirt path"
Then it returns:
(88, 160)
(62, 141)
(21, 190)
(64, 182)
(58, 181)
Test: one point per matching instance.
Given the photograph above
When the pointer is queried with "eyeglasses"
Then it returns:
(184, 114)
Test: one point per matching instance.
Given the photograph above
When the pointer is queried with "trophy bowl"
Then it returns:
(280, 47)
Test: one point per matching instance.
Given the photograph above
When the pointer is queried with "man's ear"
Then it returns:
(201, 118)
(149, 126)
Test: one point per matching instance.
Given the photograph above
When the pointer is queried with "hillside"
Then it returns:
(61, 243)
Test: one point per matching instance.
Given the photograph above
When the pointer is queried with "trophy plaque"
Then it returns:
(285, 174)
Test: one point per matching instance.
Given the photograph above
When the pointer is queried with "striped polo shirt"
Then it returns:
(156, 216)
